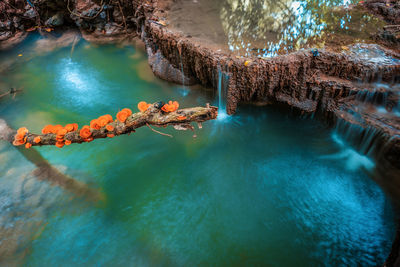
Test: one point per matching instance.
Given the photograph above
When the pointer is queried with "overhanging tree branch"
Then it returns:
(153, 115)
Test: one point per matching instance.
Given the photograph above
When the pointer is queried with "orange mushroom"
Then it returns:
(124, 114)
(28, 145)
(62, 132)
(71, 127)
(109, 127)
(22, 131)
(56, 128)
(67, 142)
(19, 137)
(85, 132)
(170, 106)
(143, 106)
(109, 117)
(181, 118)
(37, 139)
(110, 135)
(102, 121)
(94, 124)
(47, 129)
(18, 142)
(59, 144)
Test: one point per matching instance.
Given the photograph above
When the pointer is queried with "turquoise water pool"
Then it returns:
(260, 188)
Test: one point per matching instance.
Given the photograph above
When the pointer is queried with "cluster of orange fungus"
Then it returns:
(101, 121)
(170, 106)
(143, 106)
(124, 114)
(20, 137)
(54, 129)
(86, 131)
(59, 131)
(72, 127)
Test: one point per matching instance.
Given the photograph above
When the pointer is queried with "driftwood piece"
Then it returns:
(152, 116)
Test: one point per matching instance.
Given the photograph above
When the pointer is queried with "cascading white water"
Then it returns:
(223, 81)
(183, 74)
(185, 91)
(363, 139)
(373, 97)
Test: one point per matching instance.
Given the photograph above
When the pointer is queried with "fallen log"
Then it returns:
(154, 115)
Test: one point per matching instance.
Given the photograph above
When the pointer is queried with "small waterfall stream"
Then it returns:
(223, 82)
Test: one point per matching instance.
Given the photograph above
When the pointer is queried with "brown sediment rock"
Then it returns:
(389, 10)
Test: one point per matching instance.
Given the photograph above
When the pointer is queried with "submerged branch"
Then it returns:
(46, 172)
(152, 116)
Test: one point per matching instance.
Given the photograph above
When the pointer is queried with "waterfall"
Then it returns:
(184, 90)
(223, 82)
(362, 139)
(357, 145)
(181, 65)
(376, 97)
(183, 74)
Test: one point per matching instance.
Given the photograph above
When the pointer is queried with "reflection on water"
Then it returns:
(248, 191)
(270, 27)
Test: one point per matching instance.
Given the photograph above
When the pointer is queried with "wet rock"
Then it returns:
(56, 20)
(111, 28)
(163, 69)
(387, 9)
(30, 14)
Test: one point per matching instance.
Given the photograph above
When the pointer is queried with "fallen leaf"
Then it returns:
(20, 55)
(247, 62)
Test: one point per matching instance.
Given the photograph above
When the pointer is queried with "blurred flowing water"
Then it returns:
(268, 28)
(263, 187)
